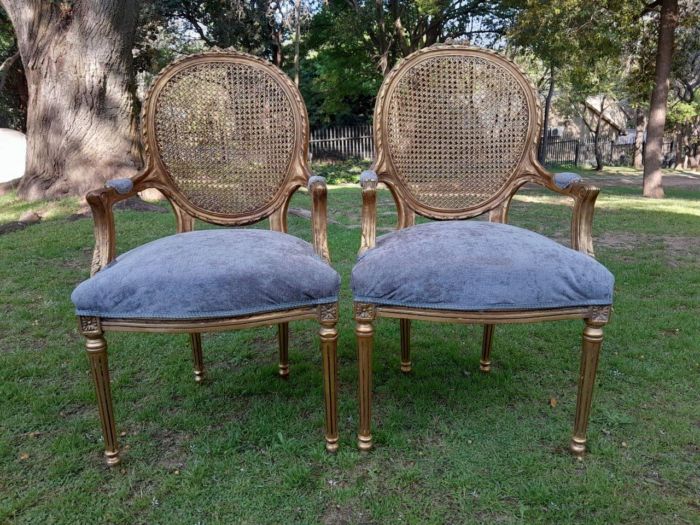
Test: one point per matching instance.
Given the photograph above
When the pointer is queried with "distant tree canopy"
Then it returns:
(338, 51)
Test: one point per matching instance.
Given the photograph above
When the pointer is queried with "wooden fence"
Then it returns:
(355, 142)
(342, 142)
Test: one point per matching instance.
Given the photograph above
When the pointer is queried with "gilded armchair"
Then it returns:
(225, 136)
(456, 131)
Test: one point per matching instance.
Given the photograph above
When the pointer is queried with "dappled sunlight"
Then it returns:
(608, 201)
(12, 207)
(666, 205)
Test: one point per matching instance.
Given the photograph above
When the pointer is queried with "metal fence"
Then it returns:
(355, 142)
(580, 152)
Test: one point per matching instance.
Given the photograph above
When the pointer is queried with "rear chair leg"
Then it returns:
(364, 315)
(486, 343)
(328, 317)
(590, 351)
(96, 347)
(283, 339)
(196, 342)
(405, 345)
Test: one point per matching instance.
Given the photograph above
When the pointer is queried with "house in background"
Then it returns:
(614, 121)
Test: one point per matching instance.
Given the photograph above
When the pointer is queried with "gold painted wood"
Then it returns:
(497, 192)
(491, 317)
(455, 135)
(364, 316)
(590, 352)
(158, 175)
(283, 342)
(405, 345)
(486, 343)
(369, 215)
(236, 157)
(197, 357)
(209, 325)
(319, 218)
(96, 347)
(328, 317)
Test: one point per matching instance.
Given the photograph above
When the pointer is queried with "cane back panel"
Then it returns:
(228, 131)
(453, 125)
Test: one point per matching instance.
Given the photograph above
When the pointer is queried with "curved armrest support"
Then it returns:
(584, 195)
(368, 181)
(319, 215)
(101, 202)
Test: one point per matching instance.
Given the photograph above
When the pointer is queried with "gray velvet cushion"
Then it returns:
(566, 179)
(210, 273)
(121, 185)
(474, 265)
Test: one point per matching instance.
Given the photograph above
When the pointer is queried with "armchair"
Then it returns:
(456, 131)
(226, 141)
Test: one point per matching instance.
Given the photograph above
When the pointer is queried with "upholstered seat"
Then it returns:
(456, 130)
(209, 274)
(477, 266)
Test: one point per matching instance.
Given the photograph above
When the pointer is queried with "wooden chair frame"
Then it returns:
(155, 175)
(527, 171)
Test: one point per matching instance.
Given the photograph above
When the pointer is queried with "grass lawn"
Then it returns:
(452, 445)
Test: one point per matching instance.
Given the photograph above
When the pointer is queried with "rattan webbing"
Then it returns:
(226, 134)
(456, 130)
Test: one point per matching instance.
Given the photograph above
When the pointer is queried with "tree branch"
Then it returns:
(5, 68)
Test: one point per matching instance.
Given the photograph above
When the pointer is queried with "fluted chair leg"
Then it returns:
(283, 339)
(197, 357)
(405, 345)
(96, 347)
(365, 334)
(590, 352)
(486, 343)
(329, 345)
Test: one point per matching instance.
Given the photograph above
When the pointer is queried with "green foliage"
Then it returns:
(13, 86)
(339, 80)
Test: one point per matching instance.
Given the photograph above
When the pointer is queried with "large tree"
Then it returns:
(668, 20)
(81, 115)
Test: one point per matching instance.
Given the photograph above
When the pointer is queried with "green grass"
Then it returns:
(452, 445)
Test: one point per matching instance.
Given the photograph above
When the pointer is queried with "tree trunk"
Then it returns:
(81, 116)
(653, 176)
(545, 125)
(596, 137)
(639, 139)
(297, 38)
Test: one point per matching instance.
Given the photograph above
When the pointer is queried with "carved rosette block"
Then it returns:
(328, 313)
(365, 312)
(599, 315)
(89, 325)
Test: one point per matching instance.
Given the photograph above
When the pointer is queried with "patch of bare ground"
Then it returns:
(675, 247)
(346, 514)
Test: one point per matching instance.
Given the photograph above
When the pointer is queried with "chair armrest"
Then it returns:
(368, 182)
(319, 215)
(101, 202)
(584, 196)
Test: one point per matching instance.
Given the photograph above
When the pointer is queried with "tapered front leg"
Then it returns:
(590, 352)
(96, 347)
(405, 345)
(486, 343)
(197, 357)
(283, 340)
(328, 317)
(364, 315)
